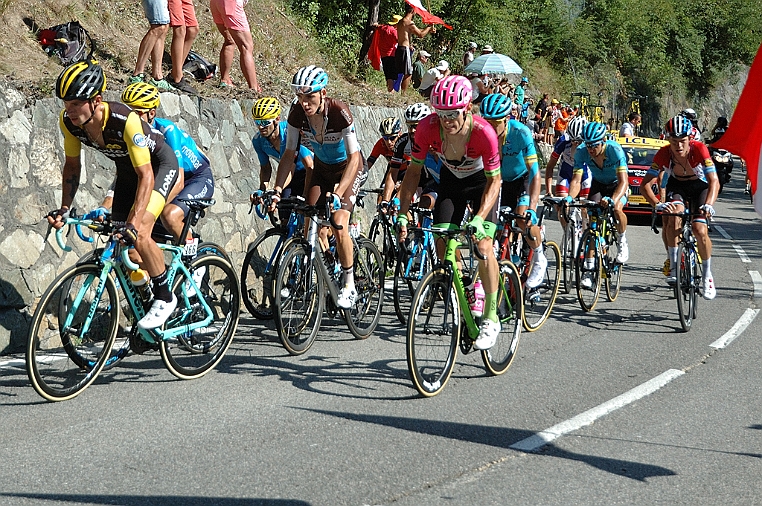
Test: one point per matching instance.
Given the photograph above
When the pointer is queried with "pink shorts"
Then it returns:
(182, 13)
(230, 14)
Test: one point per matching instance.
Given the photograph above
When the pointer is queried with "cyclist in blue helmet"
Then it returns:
(608, 166)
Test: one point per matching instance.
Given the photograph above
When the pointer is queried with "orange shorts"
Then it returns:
(182, 13)
(230, 14)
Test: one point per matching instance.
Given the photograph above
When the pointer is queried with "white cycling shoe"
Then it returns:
(158, 314)
(709, 290)
(624, 251)
(488, 333)
(198, 278)
(537, 274)
(347, 298)
(587, 280)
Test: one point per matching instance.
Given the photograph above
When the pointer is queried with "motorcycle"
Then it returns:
(723, 163)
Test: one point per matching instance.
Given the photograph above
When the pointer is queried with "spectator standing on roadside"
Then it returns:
(528, 103)
(629, 126)
(432, 76)
(157, 13)
(385, 43)
(479, 88)
(182, 19)
(518, 94)
(233, 24)
(419, 68)
(540, 111)
(405, 27)
(468, 56)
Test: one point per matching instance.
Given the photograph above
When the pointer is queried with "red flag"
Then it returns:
(744, 134)
(427, 17)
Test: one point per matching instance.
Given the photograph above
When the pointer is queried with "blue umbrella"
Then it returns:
(493, 63)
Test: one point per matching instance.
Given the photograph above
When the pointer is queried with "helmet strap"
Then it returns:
(92, 112)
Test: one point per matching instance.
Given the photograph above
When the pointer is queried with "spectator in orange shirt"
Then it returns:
(559, 127)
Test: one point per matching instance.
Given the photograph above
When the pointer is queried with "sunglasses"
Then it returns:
(449, 113)
(389, 137)
(594, 145)
(264, 123)
(302, 90)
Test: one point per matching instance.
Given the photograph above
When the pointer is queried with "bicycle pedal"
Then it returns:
(139, 346)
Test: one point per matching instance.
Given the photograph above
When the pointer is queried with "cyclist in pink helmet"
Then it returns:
(468, 149)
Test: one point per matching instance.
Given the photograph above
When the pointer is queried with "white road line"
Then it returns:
(736, 329)
(742, 254)
(756, 279)
(722, 232)
(14, 362)
(537, 441)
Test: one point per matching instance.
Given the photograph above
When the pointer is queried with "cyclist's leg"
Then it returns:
(676, 196)
(699, 191)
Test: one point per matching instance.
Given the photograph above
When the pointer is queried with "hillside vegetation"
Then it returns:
(613, 49)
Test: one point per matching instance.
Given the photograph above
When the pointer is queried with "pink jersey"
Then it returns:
(482, 151)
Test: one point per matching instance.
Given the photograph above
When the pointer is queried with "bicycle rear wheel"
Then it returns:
(588, 277)
(410, 269)
(567, 256)
(538, 301)
(369, 273)
(258, 273)
(380, 235)
(685, 288)
(72, 332)
(196, 352)
(299, 298)
(613, 280)
(433, 332)
(509, 310)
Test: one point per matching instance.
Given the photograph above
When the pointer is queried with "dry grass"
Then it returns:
(280, 47)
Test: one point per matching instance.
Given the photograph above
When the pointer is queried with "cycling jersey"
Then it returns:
(518, 152)
(699, 160)
(401, 159)
(614, 162)
(339, 138)
(481, 144)
(381, 149)
(130, 143)
(265, 150)
(189, 157)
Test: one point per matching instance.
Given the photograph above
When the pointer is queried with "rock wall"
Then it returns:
(31, 159)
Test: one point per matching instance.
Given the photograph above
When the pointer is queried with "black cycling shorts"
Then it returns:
(692, 193)
(455, 194)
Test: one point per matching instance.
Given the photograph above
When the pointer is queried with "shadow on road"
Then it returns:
(502, 437)
(153, 500)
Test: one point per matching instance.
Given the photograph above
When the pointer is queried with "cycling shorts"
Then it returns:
(515, 194)
(693, 192)
(325, 178)
(197, 186)
(599, 190)
(454, 198)
(562, 186)
(230, 14)
(166, 173)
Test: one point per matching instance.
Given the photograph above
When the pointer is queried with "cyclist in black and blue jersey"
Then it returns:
(270, 142)
(340, 169)
(198, 179)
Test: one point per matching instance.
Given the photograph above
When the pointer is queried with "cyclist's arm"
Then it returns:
(409, 184)
(549, 173)
(354, 159)
(491, 194)
(622, 177)
(71, 172)
(265, 173)
(285, 168)
(530, 160)
(710, 172)
(389, 183)
(142, 195)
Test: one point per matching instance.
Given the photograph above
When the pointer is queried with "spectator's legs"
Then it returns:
(227, 52)
(245, 45)
(182, 40)
(405, 82)
(151, 45)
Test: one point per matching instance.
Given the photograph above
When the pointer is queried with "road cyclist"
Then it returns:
(692, 184)
(468, 148)
(148, 175)
(340, 169)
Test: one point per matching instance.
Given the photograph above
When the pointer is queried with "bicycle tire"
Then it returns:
(195, 353)
(59, 362)
(567, 256)
(510, 305)
(433, 333)
(588, 297)
(685, 289)
(380, 236)
(299, 298)
(212, 248)
(613, 280)
(404, 287)
(258, 273)
(362, 318)
(538, 301)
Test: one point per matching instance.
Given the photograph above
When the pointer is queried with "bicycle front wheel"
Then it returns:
(538, 301)
(369, 273)
(380, 235)
(407, 276)
(72, 332)
(509, 310)
(433, 332)
(567, 256)
(196, 352)
(588, 268)
(258, 273)
(613, 280)
(685, 288)
(299, 298)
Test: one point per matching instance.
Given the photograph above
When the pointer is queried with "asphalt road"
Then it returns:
(344, 425)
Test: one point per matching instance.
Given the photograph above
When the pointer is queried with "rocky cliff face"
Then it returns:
(31, 158)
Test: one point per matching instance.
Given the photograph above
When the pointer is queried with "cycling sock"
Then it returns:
(672, 256)
(161, 287)
(589, 263)
(349, 276)
(707, 267)
(490, 306)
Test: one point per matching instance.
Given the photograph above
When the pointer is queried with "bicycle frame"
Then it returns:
(420, 250)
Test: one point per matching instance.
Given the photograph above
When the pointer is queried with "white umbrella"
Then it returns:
(493, 63)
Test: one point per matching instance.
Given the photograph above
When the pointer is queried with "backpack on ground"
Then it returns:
(199, 67)
(67, 41)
